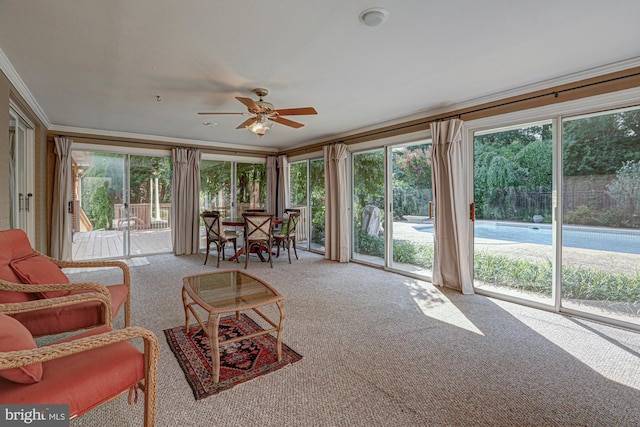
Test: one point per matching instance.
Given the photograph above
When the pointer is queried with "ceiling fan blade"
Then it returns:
(247, 122)
(250, 103)
(297, 111)
(286, 122)
(220, 113)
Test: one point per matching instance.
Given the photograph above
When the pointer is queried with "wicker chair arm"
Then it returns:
(26, 288)
(15, 359)
(41, 304)
(93, 264)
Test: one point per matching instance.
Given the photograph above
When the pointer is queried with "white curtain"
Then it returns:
(451, 224)
(336, 199)
(283, 184)
(185, 206)
(272, 183)
(60, 217)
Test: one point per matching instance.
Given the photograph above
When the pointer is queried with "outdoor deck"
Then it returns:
(103, 244)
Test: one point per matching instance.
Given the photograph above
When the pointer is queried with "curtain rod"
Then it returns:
(161, 144)
(423, 122)
(555, 94)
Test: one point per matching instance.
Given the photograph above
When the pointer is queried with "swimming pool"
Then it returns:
(572, 236)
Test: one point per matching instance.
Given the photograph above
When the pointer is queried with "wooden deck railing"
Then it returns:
(140, 217)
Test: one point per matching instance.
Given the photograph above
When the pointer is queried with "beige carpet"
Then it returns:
(385, 350)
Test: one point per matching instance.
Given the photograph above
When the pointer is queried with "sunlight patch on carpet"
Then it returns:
(436, 305)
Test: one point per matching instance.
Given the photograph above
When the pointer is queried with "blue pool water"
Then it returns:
(574, 237)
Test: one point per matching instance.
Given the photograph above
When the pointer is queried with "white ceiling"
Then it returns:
(98, 65)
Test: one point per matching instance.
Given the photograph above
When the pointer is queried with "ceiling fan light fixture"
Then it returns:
(260, 126)
(374, 16)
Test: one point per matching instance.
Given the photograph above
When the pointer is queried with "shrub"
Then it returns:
(577, 282)
(503, 270)
(102, 212)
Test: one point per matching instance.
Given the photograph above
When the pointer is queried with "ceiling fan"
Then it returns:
(263, 113)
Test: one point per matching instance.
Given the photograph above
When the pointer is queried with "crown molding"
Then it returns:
(123, 136)
(23, 90)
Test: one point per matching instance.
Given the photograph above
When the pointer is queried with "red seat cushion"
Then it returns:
(83, 380)
(36, 269)
(14, 336)
(73, 317)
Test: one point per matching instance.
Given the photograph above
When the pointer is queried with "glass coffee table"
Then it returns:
(227, 292)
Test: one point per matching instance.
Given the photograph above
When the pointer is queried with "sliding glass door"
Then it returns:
(215, 186)
(149, 208)
(121, 205)
(316, 205)
(251, 187)
(513, 252)
(392, 204)
(411, 228)
(572, 243)
(601, 214)
(368, 203)
(299, 199)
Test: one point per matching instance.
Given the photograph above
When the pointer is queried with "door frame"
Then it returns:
(24, 170)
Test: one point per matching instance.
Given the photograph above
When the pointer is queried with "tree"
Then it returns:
(625, 189)
(507, 163)
(600, 145)
(102, 212)
(412, 186)
(144, 168)
(298, 183)
(368, 181)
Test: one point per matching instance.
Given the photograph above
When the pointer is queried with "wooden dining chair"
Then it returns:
(217, 236)
(258, 234)
(287, 235)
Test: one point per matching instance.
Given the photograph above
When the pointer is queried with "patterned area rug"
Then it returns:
(240, 361)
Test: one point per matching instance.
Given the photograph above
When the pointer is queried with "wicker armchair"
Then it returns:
(27, 275)
(83, 371)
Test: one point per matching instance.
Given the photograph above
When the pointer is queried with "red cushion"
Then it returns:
(13, 244)
(72, 317)
(14, 336)
(38, 270)
(82, 380)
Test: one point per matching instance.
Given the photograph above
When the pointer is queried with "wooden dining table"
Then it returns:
(239, 222)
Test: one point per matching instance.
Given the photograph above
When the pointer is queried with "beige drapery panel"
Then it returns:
(277, 184)
(283, 184)
(336, 221)
(272, 183)
(451, 224)
(60, 218)
(185, 206)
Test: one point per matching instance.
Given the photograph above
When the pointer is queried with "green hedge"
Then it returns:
(502, 270)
